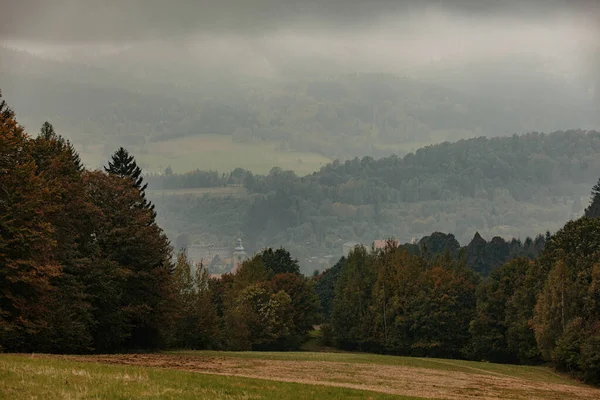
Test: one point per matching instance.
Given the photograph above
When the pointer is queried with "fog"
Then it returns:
(264, 37)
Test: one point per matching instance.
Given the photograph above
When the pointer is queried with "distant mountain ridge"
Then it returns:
(339, 116)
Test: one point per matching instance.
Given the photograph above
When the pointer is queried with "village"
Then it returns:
(220, 259)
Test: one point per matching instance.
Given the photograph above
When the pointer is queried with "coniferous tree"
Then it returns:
(69, 318)
(129, 237)
(593, 210)
(123, 165)
(57, 144)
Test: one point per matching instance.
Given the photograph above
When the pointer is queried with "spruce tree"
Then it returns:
(593, 210)
(123, 165)
(59, 145)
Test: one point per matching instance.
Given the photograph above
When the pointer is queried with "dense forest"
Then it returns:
(508, 187)
(84, 267)
(527, 311)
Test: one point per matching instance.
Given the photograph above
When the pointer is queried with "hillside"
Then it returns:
(514, 186)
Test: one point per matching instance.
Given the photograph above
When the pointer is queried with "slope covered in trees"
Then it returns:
(83, 267)
(528, 311)
(508, 187)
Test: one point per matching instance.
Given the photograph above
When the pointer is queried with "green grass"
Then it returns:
(215, 152)
(25, 377)
(533, 373)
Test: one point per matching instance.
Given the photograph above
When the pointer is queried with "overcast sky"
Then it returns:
(109, 20)
(380, 34)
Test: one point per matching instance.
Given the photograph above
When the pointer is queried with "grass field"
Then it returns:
(244, 375)
(35, 377)
(215, 152)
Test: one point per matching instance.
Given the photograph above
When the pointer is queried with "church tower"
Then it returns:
(239, 256)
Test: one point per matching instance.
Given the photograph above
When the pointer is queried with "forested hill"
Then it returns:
(514, 186)
(467, 168)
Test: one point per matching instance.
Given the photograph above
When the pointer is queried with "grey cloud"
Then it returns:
(113, 20)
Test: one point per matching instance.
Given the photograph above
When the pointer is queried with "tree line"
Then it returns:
(266, 305)
(84, 267)
(83, 264)
(528, 311)
(514, 186)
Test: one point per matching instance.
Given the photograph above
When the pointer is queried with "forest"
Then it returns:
(85, 268)
(506, 187)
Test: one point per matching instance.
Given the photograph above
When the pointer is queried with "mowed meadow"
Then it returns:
(214, 152)
(272, 375)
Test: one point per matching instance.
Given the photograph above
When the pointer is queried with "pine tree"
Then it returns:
(59, 145)
(123, 165)
(69, 318)
(129, 237)
(593, 210)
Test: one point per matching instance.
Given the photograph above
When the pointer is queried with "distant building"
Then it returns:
(228, 262)
(238, 257)
(206, 253)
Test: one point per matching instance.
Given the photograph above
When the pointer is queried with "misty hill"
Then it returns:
(340, 117)
(514, 186)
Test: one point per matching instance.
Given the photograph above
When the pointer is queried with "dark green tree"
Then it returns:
(325, 287)
(351, 316)
(70, 320)
(279, 262)
(60, 145)
(593, 210)
(566, 316)
(123, 165)
(305, 304)
(129, 237)
(500, 331)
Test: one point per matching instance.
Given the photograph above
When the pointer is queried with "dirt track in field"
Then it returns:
(408, 381)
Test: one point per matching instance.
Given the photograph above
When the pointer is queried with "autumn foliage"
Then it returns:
(81, 267)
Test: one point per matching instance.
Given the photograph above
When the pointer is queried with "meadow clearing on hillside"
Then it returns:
(213, 152)
(212, 191)
(30, 377)
(232, 375)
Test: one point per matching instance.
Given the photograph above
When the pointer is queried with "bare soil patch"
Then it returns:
(408, 381)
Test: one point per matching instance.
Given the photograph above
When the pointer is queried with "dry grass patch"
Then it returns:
(442, 379)
(55, 377)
